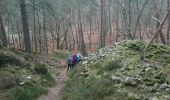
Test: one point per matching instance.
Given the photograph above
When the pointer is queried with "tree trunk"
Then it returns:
(39, 32)
(25, 26)
(129, 20)
(34, 21)
(117, 21)
(58, 34)
(102, 23)
(168, 29)
(110, 22)
(3, 33)
(45, 34)
(80, 30)
(156, 33)
(139, 16)
(72, 33)
(90, 32)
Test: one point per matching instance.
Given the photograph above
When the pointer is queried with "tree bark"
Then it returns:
(80, 30)
(117, 21)
(110, 22)
(102, 23)
(129, 20)
(168, 29)
(3, 33)
(139, 16)
(25, 26)
(156, 33)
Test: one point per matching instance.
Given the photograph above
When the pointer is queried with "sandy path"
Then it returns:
(54, 92)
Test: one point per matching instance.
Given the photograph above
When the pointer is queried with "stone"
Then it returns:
(149, 82)
(116, 79)
(85, 62)
(153, 98)
(161, 77)
(130, 81)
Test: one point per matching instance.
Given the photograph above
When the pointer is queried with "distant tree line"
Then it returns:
(48, 25)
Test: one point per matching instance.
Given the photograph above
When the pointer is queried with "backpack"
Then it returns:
(70, 61)
(78, 58)
(74, 58)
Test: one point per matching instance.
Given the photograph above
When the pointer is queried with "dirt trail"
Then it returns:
(54, 92)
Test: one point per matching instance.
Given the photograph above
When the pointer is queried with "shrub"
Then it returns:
(4, 59)
(41, 68)
(27, 93)
(92, 89)
(113, 65)
(47, 80)
(1, 46)
(8, 80)
(134, 45)
(61, 54)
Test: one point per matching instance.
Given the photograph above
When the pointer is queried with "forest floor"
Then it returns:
(54, 92)
(30, 76)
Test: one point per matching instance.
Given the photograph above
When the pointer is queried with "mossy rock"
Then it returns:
(166, 58)
(133, 45)
(161, 78)
(8, 80)
(120, 95)
(149, 82)
(10, 58)
(113, 65)
(130, 81)
(149, 55)
(134, 97)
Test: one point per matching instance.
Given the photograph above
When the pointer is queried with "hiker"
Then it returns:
(74, 59)
(78, 58)
(70, 63)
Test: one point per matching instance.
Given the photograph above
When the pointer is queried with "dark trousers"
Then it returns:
(70, 66)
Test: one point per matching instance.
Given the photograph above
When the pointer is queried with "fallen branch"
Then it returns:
(154, 36)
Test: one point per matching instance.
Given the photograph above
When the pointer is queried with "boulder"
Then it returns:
(8, 81)
(149, 82)
(130, 81)
(116, 79)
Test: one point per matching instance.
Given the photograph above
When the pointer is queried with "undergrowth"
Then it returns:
(94, 80)
(28, 82)
(61, 54)
(26, 92)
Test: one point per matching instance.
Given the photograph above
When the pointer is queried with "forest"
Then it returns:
(123, 48)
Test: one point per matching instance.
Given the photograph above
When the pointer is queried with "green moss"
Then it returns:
(26, 93)
(47, 80)
(8, 80)
(61, 54)
(7, 60)
(41, 68)
(92, 89)
(146, 75)
(149, 82)
(133, 45)
(161, 78)
(110, 66)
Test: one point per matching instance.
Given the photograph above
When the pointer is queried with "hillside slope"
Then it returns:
(117, 73)
(27, 76)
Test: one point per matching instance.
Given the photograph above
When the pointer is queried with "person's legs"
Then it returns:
(68, 67)
(71, 66)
